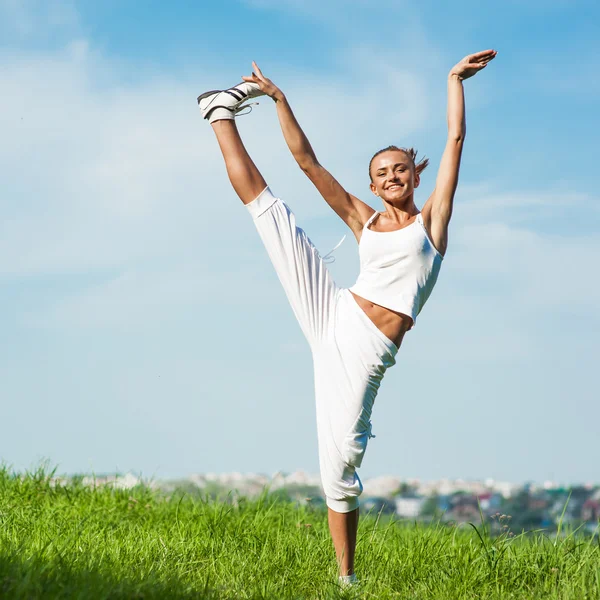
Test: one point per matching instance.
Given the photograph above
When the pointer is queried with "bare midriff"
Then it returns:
(391, 323)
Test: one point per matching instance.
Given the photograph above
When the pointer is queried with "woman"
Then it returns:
(355, 333)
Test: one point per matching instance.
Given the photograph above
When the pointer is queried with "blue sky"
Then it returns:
(144, 328)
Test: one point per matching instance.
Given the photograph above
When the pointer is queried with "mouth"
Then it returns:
(395, 186)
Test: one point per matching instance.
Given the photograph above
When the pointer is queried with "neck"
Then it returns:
(400, 212)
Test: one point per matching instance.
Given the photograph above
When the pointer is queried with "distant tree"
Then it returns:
(430, 506)
(403, 488)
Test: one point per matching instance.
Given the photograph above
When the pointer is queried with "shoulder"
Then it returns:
(363, 212)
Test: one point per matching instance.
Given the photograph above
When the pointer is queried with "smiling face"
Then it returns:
(393, 176)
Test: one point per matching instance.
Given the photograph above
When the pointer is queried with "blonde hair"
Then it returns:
(410, 152)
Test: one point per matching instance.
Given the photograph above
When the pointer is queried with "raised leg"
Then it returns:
(248, 183)
(243, 174)
(343, 528)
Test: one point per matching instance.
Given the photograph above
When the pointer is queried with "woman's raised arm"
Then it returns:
(350, 209)
(438, 208)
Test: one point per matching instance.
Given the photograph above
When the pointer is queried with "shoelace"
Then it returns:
(329, 258)
(238, 111)
(370, 431)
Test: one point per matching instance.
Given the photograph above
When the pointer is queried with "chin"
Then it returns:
(397, 198)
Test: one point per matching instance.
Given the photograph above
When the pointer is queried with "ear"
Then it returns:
(417, 180)
(373, 188)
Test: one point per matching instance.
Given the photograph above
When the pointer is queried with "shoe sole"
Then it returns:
(207, 94)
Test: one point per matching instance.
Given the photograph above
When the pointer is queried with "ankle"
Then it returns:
(223, 120)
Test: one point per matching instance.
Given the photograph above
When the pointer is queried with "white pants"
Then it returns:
(350, 354)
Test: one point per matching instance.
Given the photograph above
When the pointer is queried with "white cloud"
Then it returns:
(530, 246)
(162, 294)
(105, 175)
(126, 176)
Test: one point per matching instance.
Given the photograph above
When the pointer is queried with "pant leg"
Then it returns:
(350, 363)
(306, 281)
(350, 354)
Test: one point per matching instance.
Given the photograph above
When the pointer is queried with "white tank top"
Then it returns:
(398, 269)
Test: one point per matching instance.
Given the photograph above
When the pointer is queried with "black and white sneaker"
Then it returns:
(225, 104)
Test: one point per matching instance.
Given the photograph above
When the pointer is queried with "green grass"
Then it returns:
(76, 542)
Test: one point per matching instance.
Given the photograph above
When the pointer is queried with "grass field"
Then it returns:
(71, 541)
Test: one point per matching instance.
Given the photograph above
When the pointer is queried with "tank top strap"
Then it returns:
(371, 219)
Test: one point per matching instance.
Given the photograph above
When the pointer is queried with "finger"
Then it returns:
(480, 57)
(475, 60)
(257, 70)
(483, 53)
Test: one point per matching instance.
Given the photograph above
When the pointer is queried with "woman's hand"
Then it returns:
(266, 85)
(473, 63)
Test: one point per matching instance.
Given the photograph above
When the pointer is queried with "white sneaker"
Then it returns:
(347, 581)
(225, 104)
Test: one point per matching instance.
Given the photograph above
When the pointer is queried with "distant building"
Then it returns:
(409, 507)
(590, 511)
(376, 505)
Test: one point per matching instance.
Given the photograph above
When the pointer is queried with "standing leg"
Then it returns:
(243, 174)
(343, 528)
(349, 369)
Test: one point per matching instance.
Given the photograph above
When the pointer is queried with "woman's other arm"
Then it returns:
(438, 208)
